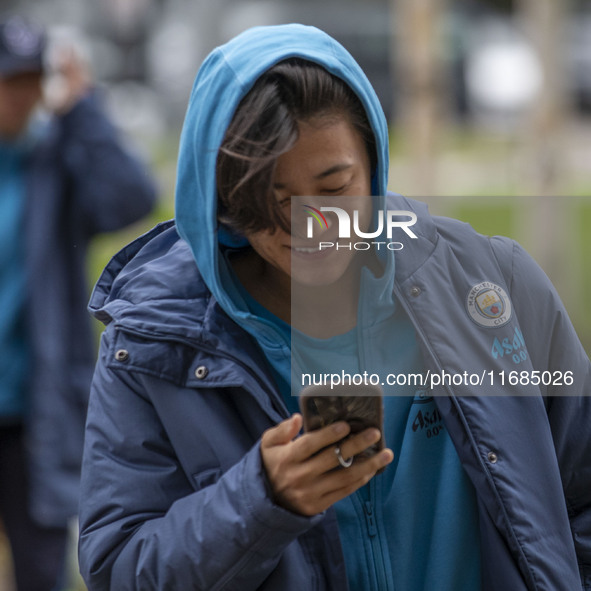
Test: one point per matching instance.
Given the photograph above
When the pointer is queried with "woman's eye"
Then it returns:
(334, 190)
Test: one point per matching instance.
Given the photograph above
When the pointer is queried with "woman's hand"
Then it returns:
(302, 471)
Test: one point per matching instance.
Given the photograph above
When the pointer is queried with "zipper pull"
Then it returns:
(371, 523)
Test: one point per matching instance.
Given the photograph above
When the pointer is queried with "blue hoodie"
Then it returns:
(374, 549)
(225, 77)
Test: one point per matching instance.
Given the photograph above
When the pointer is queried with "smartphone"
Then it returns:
(361, 406)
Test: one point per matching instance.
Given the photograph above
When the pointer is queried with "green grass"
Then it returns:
(584, 315)
(491, 219)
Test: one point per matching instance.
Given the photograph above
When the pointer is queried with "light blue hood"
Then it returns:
(225, 77)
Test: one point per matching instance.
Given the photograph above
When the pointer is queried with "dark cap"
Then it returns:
(21, 46)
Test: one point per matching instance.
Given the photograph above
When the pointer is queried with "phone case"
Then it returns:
(360, 406)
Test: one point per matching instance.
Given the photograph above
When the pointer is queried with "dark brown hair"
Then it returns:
(264, 126)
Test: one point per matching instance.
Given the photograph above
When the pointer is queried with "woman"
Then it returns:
(194, 474)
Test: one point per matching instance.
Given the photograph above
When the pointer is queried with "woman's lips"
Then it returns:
(313, 251)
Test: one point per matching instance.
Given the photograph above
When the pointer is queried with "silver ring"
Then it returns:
(344, 463)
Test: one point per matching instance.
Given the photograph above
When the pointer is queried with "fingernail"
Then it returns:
(372, 436)
(387, 456)
(340, 428)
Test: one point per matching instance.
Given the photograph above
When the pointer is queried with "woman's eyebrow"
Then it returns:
(334, 169)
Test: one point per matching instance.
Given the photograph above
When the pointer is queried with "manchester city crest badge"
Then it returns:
(489, 305)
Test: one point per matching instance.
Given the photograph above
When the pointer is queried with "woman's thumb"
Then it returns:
(284, 432)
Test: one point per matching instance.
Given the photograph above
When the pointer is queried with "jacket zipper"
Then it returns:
(367, 499)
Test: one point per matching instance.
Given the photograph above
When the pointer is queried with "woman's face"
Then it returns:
(329, 159)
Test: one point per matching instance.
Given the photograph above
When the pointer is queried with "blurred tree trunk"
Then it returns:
(418, 76)
(544, 22)
(549, 217)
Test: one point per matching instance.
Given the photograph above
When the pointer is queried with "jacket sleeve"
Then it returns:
(144, 526)
(110, 186)
(554, 346)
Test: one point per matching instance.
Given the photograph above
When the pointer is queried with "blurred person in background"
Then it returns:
(63, 179)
